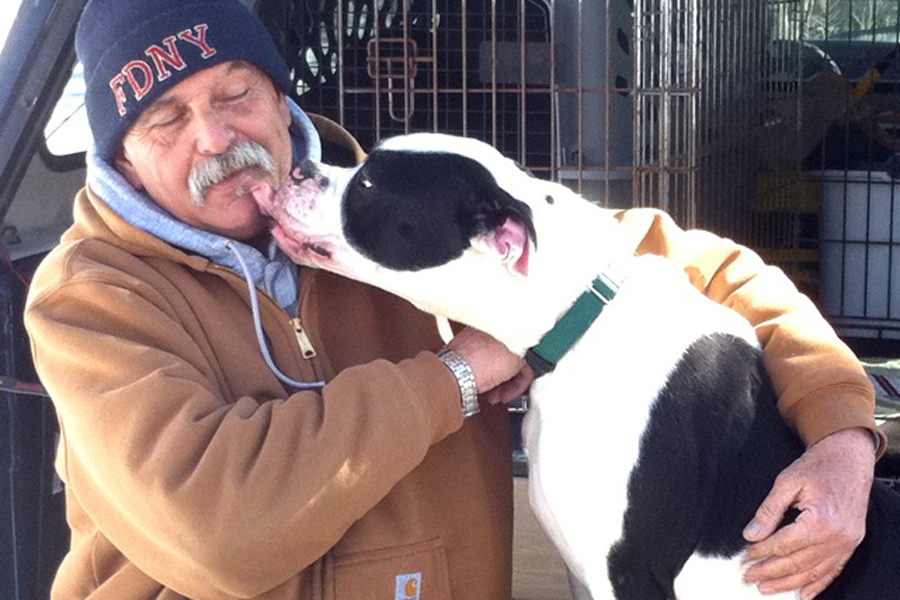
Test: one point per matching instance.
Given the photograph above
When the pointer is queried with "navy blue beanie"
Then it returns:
(133, 51)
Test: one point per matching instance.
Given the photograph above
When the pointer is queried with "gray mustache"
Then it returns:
(241, 155)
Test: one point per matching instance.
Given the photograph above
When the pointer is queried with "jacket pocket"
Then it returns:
(414, 572)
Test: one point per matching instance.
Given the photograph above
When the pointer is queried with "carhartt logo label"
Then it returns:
(140, 75)
(409, 587)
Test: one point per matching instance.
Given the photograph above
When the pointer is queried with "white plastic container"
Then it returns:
(859, 232)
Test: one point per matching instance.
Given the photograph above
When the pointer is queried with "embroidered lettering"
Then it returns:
(199, 40)
(168, 56)
(116, 85)
(140, 89)
(408, 587)
(141, 77)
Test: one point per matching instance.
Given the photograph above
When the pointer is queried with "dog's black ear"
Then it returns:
(500, 225)
(489, 206)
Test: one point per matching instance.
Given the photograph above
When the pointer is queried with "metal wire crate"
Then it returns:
(386, 67)
(668, 103)
(548, 83)
(853, 156)
(697, 101)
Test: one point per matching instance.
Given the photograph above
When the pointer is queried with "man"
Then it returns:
(201, 455)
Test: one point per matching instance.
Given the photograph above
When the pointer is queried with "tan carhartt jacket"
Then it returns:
(191, 471)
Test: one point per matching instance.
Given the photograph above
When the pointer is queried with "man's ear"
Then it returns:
(126, 168)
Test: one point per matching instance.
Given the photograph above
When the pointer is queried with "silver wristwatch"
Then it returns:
(465, 378)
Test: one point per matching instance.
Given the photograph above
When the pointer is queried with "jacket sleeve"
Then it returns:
(821, 385)
(219, 499)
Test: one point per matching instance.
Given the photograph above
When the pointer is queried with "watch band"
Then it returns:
(465, 379)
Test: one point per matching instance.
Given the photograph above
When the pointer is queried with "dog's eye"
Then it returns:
(365, 181)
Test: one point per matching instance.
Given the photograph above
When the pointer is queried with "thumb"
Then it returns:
(771, 512)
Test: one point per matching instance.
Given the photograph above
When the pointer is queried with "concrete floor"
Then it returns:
(538, 571)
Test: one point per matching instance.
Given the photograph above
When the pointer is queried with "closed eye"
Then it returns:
(167, 119)
(236, 96)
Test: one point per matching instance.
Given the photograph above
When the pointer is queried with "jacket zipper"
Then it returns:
(306, 345)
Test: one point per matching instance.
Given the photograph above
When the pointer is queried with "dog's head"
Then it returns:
(419, 203)
(437, 219)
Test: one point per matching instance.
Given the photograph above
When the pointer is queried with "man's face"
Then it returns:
(199, 119)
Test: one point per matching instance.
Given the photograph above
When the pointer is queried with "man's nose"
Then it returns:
(213, 134)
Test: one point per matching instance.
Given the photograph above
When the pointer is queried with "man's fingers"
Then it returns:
(771, 512)
(511, 389)
(829, 485)
(812, 529)
(810, 579)
(817, 587)
(790, 564)
(785, 541)
(799, 581)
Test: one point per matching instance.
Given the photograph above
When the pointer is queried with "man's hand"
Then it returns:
(830, 486)
(500, 375)
(511, 389)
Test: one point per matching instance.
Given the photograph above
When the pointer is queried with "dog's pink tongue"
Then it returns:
(264, 195)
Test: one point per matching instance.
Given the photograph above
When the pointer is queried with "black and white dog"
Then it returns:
(668, 383)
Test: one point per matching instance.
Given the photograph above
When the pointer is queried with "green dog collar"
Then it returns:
(571, 326)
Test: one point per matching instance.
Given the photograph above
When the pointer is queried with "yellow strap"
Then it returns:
(333, 132)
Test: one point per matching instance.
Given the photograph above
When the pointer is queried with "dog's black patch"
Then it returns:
(697, 426)
(414, 210)
(712, 449)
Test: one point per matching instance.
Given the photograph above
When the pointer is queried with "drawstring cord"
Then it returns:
(257, 322)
